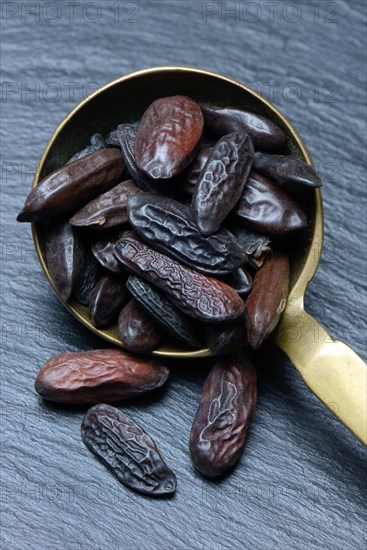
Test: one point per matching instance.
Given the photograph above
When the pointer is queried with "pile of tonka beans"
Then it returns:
(178, 225)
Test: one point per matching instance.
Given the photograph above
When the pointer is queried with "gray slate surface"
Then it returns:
(301, 480)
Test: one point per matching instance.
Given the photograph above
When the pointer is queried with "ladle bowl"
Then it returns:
(330, 368)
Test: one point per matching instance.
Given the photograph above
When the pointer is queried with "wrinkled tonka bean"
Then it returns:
(70, 187)
(168, 226)
(222, 181)
(267, 208)
(106, 300)
(163, 312)
(137, 330)
(108, 210)
(222, 420)
(91, 275)
(291, 173)
(197, 295)
(127, 451)
(168, 135)
(99, 375)
(265, 134)
(226, 337)
(190, 175)
(64, 253)
(267, 299)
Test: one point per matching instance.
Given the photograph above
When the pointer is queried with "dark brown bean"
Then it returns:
(161, 310)
(91, 275)
(96, 142)
(265, 134)
(226, 337)
(256, 246)
(108, 210)
(224, 415)
(127, 451)
(64, 253)
(168, 226)
(106, 300)
(126, 134)
(99, 375)
(290, 172)
(240, 281)
(103, 250)
(198, 295)
(70, 187)
(137, 330)
(267, 208)
(267, 298)
(190, 175)
(222, 181)
(168, 135)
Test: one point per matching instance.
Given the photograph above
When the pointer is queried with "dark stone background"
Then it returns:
(300, 482)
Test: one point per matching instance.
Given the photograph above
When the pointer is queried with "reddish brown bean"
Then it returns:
(100, 375)
(267, 298)
(168, 135)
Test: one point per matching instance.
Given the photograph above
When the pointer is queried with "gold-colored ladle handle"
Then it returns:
(330, 368)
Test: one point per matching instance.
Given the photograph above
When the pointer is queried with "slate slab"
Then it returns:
(302, 478)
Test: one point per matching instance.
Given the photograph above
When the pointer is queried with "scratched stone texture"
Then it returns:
(301, 481)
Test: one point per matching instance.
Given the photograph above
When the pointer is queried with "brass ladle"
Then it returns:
(331, 369)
